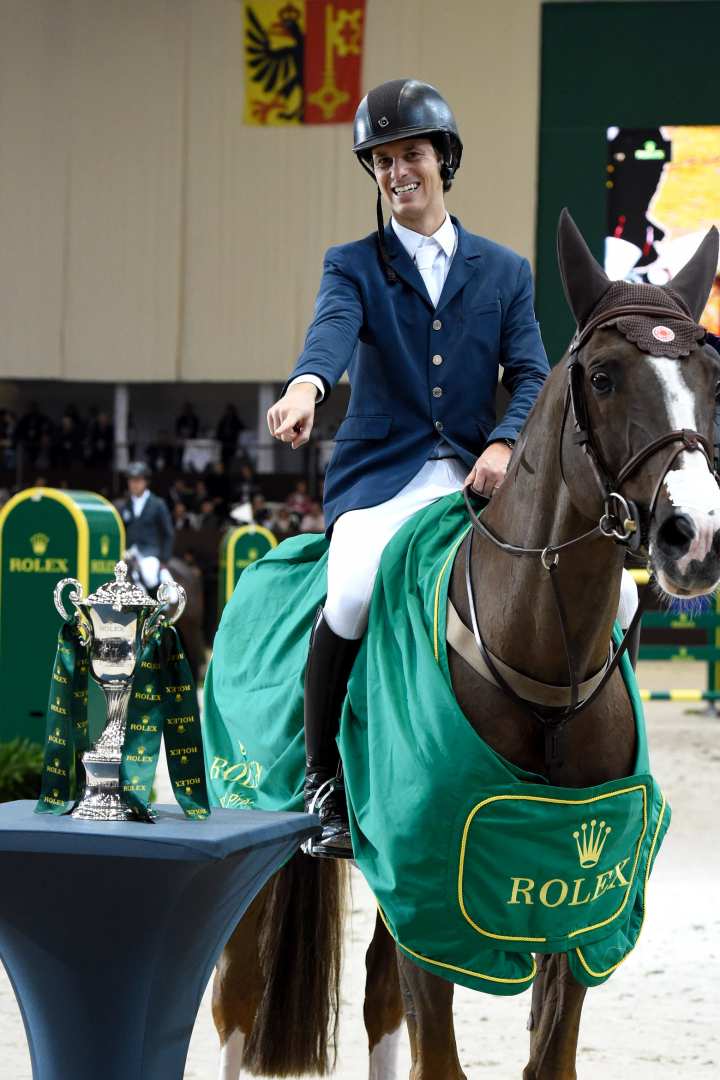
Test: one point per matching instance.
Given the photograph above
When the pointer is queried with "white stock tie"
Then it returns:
(431, 268)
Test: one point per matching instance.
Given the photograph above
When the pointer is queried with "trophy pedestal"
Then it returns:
(101, 800)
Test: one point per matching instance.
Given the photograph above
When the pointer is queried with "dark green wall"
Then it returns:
(635, 64)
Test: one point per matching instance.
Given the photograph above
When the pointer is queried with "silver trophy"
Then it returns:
(115, 623)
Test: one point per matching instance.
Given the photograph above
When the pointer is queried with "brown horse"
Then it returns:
(617, 450)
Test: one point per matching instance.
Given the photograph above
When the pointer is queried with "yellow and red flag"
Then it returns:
(302, 61)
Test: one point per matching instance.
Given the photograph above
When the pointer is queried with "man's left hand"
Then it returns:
(488, 472)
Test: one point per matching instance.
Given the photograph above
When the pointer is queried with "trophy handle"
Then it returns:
(76, 596)
(169, 594)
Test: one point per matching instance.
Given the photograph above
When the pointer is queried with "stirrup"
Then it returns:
(334, 841)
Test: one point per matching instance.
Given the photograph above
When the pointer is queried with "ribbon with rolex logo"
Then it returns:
(163, 702)
(66, 732)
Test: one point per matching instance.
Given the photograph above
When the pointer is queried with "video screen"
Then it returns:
(663, 194)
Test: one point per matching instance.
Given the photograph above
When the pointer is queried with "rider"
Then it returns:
(423, 315)
(148, 526)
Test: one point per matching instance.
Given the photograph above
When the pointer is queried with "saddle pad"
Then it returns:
(475, 864)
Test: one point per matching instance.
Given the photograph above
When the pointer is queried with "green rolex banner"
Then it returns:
(163, 701)
(66, 732)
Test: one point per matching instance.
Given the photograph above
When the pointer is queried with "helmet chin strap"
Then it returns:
(384, 257)
(390, 274)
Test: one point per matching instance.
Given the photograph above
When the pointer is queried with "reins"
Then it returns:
(620, 522)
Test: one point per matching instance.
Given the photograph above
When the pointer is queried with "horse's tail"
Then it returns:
(300, 940)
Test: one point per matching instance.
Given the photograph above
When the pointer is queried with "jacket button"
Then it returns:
(437, 325)
(437, 391)
(439, 425)
(437, 359)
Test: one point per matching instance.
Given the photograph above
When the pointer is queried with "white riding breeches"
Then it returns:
(359, 537)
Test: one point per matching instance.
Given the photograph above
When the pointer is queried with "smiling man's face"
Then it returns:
(408, 174)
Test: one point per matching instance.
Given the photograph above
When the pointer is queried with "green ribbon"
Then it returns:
(66, 730)
(163, 702)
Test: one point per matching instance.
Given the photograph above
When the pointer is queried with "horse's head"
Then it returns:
(642, 393)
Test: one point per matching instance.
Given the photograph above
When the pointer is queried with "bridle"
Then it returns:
(620, 522)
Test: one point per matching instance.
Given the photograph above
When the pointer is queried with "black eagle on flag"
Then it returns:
(279, 70)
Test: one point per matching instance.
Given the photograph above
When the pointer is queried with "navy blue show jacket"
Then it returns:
(418, 373)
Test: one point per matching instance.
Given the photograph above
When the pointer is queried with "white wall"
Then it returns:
(147, 234)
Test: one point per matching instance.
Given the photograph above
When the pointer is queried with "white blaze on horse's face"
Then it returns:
(690, 486)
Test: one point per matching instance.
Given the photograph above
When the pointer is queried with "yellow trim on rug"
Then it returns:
(609, 971)
(452, 967)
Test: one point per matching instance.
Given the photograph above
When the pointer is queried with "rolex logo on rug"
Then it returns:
(39, 543)
(590, 843)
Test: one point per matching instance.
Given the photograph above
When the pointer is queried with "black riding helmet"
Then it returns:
(400, 109)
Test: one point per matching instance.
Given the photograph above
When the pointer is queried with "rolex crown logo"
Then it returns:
(149, 688)
(253, 554)
(39, 543)
(104, 546)
(590, 842)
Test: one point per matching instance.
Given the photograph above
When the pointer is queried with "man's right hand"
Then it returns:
(291, 418)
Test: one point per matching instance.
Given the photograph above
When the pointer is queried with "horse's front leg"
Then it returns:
(237, 989)
(428, 1009)
(383, 1009)
(557, 1001)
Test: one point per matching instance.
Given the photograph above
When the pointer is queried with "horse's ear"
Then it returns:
(584, 280)
(694, 281)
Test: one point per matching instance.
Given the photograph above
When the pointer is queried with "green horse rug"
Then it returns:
(474, 863)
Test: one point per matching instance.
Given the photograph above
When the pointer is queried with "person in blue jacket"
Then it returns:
(422, 315)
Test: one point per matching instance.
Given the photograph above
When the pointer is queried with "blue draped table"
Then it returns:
(109, 931)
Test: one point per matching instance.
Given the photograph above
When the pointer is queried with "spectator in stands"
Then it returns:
(261, 512)
(32, 428)
(182, 519)
(299, 501)
(314, 520)
(148, 526)
(8, 433)
(285, 524)
(246, 485)
(71, 410)
(218, 486)
(187, 425)
(100, 440)
(179, 491)
(227, 433)
(67, 446)
(160, 453)
(208, 517)
(186, 572)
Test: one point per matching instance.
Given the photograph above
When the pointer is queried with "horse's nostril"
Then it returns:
(675, 535)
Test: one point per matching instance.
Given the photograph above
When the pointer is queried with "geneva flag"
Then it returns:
(302, 61)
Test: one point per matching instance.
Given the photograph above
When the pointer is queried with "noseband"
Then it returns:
(620, 522)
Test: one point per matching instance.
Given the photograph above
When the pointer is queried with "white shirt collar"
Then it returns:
(445, 237)
(138, 502)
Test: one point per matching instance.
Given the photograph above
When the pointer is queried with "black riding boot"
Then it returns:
(329, 664)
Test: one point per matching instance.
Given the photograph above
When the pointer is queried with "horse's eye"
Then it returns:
(601, 382)
(717, 392)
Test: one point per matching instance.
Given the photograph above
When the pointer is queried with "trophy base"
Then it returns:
(102, 800)
(103, 806)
